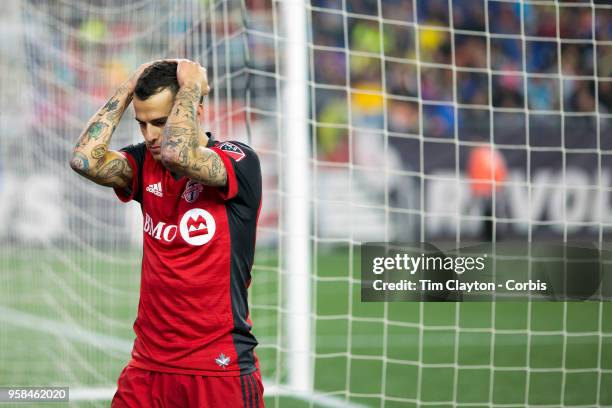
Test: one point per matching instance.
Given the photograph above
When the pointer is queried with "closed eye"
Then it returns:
(157, 122)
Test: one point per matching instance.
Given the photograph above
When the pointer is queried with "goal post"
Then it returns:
(297, 202)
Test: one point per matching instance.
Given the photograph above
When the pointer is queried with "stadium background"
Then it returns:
(400, 91)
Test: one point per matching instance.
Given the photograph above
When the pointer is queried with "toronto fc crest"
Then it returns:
(192, 191)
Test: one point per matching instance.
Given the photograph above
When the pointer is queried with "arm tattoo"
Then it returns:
(211, 167)
(104, 122)
(88, 155)
(79, 162)
(173, 132)
(111, 105)
(111, 169)
(95, 129)
(181, 141)
(111, 109)
(116, 168)
(99, 151)
(182, 127)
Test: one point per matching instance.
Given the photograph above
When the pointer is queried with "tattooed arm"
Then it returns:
(91, 156)
(181, 150)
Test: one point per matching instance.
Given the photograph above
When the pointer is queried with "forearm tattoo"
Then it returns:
(88, 156)
(102, 124)
(112, 169)
(181, 142)
(99, 151)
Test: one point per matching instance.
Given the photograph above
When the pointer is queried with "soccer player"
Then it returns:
(200, 201)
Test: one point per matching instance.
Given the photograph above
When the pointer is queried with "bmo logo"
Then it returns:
(197, 226)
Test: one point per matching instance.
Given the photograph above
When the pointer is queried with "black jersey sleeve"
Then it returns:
(243, 173)
(135, 154)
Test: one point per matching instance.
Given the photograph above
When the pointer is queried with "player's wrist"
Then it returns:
(127, 87)
(125, 92)
(192, 84)
(192, 87)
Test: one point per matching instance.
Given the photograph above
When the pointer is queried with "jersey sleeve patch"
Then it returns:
(232, 151)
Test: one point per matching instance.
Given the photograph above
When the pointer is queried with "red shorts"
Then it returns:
(152, 389)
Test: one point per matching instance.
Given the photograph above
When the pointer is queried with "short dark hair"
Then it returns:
(155, 78)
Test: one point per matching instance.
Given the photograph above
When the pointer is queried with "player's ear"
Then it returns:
(200, 112)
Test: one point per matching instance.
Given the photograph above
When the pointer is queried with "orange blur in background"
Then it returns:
(486, 168)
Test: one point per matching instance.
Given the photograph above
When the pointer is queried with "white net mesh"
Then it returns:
(404, 96)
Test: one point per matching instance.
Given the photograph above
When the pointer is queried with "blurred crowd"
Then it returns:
(371, 73)
(89, 48)
(512, 55)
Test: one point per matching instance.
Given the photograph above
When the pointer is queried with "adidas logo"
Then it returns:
(155, 189)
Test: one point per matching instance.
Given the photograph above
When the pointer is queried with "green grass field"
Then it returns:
(65, 319)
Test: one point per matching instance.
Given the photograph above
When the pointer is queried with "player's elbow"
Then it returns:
(79, 163)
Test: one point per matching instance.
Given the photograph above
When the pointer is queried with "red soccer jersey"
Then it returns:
(198, 249)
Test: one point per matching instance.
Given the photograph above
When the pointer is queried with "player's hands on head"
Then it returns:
(191, 73)
(187, 73)
(133, 79)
